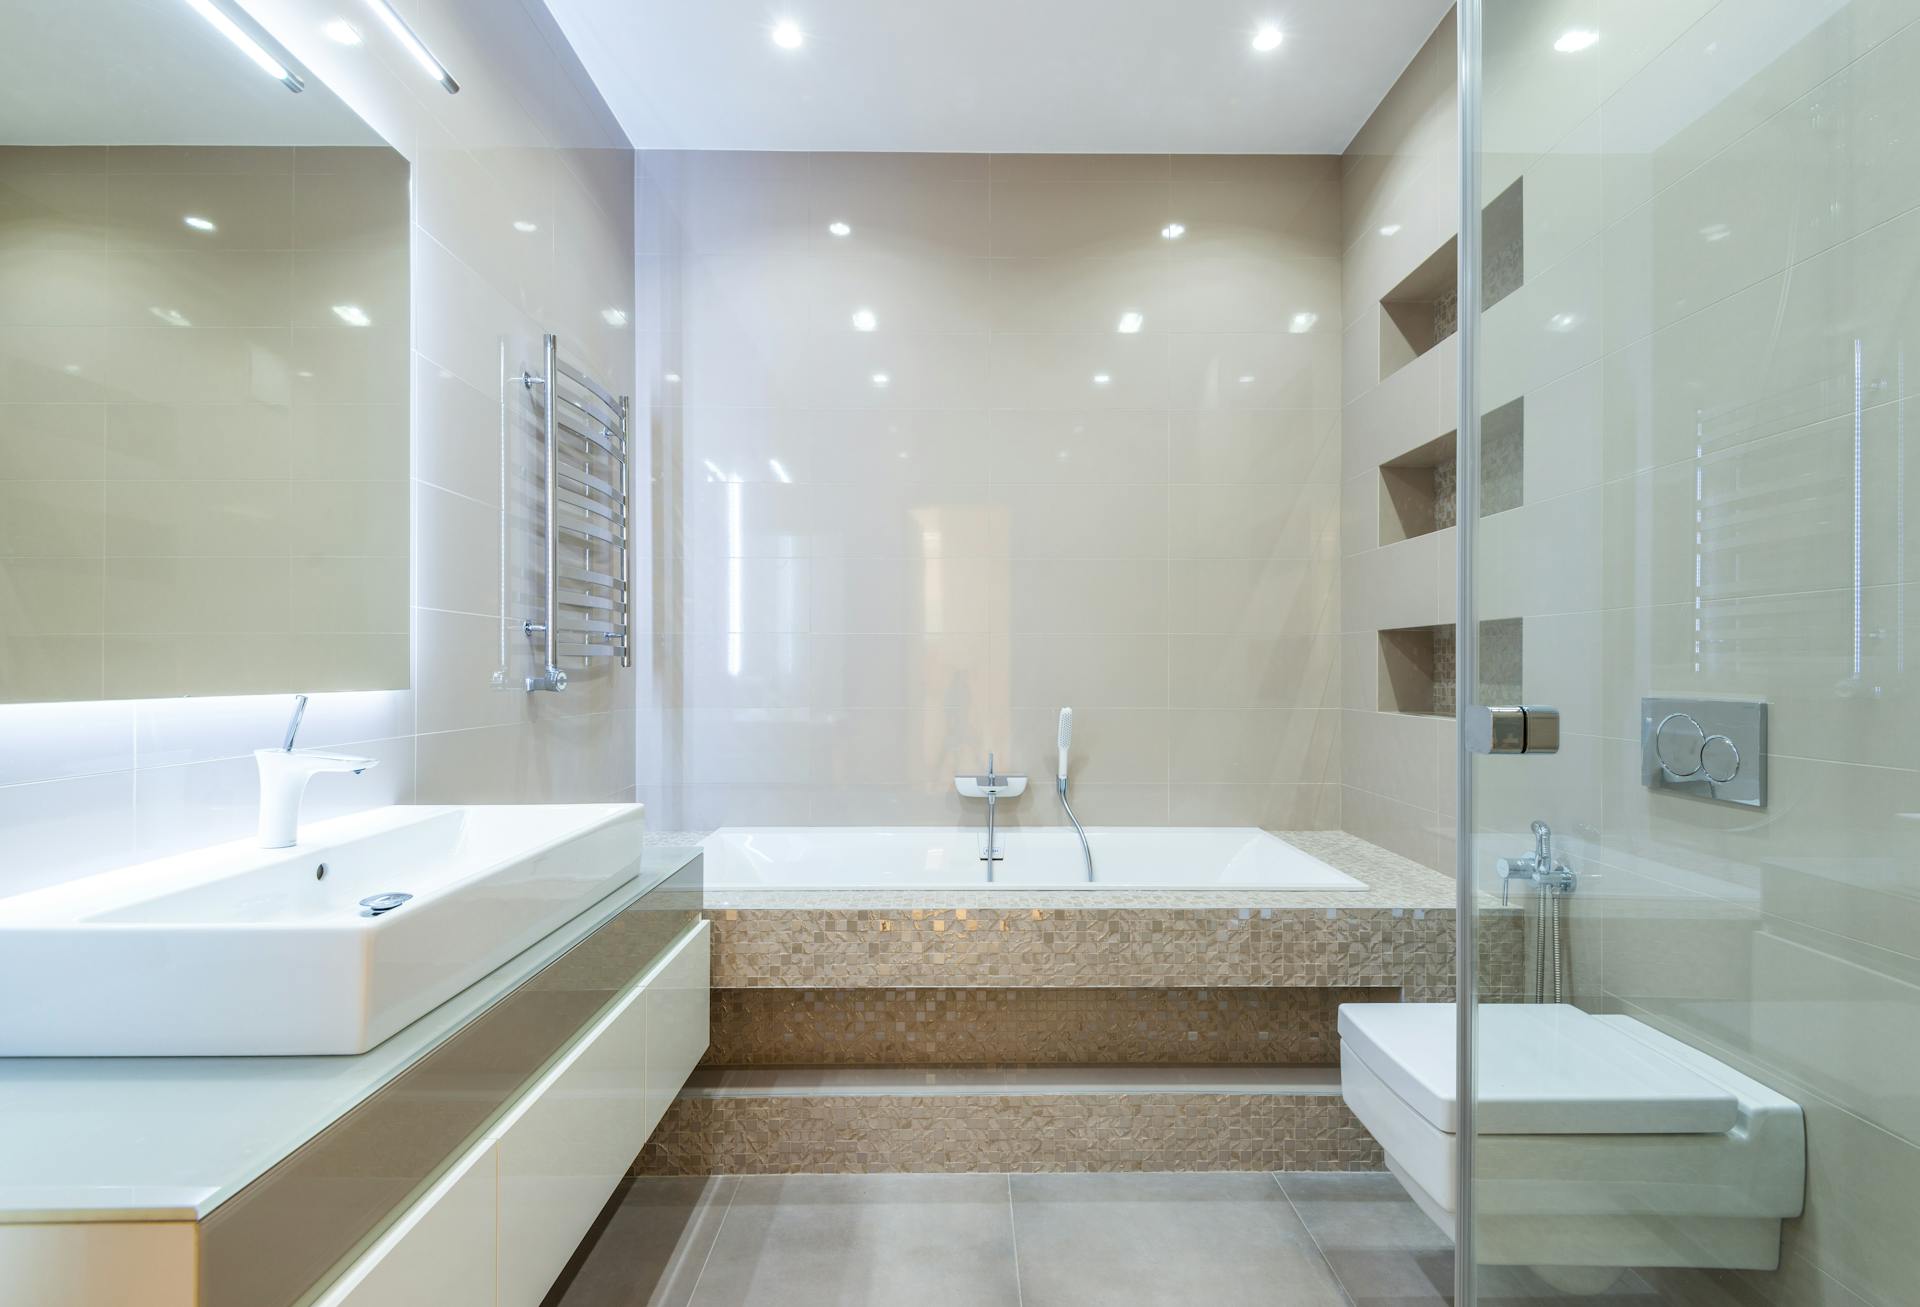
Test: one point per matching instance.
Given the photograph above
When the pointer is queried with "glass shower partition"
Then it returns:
(1683, 520)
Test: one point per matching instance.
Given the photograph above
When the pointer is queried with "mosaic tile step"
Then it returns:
(766, 1027)
(1024, 1132)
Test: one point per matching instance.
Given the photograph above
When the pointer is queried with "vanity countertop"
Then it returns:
(171, 1138)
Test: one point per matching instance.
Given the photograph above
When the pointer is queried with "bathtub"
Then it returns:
(1039, 858)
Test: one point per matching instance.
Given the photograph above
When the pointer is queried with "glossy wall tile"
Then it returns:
(948, 442)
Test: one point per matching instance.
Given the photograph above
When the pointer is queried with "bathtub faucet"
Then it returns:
(992, 787)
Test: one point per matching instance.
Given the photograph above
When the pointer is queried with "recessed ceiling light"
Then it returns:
(198, 223)
(787, 35)
(839, 229)
(1576, 39)
(1301, 323)
(252, 49)
(614, 317)
(1130, 323)
(1102, 379)
(342, 31)
(882, 380)
(864, 320)
(1173, 231)
(351, 314)
(521, 224)
(1267, 38)
(1391, 229)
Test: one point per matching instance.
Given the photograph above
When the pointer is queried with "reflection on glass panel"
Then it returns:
(1710, 344)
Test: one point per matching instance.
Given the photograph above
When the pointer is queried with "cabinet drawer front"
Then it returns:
(679, 1005)
(442, 1251)
(566, 1146)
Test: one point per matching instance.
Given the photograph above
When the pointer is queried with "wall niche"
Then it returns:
(1417, 669)
(1424, 308)
(1419, 491)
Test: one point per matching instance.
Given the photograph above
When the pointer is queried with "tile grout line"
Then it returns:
(1013, 1239)
(1312, 1238)
(693, 1290)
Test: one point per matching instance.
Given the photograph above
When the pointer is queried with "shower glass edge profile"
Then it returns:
(1466, 634)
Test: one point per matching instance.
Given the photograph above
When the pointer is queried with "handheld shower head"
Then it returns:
(1066, 738)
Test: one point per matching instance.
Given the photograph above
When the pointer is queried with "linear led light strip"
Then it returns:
(251, 48)
(413, 45)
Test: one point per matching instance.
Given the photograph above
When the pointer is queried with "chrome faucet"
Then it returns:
(1539, 867)
(992, 787)
(283, 780)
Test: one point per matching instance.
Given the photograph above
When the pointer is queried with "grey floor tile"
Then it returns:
(1384, 1249)
(1164, 1241)
(649, 1246)
(849, 1240)
(1362, 1210)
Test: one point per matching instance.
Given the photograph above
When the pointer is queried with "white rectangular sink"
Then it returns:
(239, 950)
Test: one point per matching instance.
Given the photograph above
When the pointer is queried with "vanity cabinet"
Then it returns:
(499, 1227)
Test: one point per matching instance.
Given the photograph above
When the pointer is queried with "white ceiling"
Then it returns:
(1004, 76)
(150, 72)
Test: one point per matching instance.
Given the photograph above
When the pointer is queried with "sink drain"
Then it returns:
(377, 904)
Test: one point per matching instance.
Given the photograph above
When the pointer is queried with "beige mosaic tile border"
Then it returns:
(876, 1027)
(971, 948)
(1032, 1133)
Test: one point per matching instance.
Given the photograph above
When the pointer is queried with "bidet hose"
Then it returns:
(1548, 984)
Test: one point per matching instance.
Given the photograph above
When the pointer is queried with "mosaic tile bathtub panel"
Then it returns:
(971, 947)
(840, 1027)
(1061, 1132)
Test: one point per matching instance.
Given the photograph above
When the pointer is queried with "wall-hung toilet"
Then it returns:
(1599, 1141)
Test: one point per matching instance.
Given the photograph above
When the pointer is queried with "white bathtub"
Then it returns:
(936, 857)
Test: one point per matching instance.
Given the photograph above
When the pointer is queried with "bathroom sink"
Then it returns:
(239, 950)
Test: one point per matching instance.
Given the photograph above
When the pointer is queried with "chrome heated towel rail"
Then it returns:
(589, 524)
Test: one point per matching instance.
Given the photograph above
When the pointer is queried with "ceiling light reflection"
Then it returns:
(787, 35)
(865, 320)
(1576, 39)
(1267, 38)
(1130, 323)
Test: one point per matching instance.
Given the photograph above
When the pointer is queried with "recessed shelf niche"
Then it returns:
(1417, 667)
(1424, 309)
(1419, 490)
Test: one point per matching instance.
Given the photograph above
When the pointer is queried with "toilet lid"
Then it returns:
(1544, 1069)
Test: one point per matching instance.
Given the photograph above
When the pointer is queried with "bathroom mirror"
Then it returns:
(203, 364)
